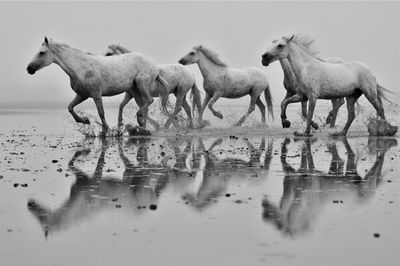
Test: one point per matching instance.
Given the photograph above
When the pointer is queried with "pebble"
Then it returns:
(153, 207)
(376, 235)
(54, 161)
(227, 195)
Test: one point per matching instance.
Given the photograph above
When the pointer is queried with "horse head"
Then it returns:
(192, 57)
(42, 59)
(277, 50)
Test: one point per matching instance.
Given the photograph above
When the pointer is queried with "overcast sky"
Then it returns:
(165, 31)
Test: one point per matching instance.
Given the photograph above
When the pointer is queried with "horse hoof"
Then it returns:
(338, 134)
(307, 135)
(286, 124)
(85, 121)
(219, 115)
(204, 123)
(314, 125)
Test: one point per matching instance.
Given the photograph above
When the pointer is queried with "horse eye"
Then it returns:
(41, 52)
(108, 54)
(191, 53)
(280, 46)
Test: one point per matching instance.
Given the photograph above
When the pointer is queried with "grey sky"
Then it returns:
(238, 31)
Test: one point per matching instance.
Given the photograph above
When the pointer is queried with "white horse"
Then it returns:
(223, 81)
(291, 85)
(320, 79)
(180, 81)
(96, 76)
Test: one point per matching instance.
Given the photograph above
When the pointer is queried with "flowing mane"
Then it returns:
(306, 43)
(116, 47)
(213, 56)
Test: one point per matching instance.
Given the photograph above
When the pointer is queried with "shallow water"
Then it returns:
(216, 196)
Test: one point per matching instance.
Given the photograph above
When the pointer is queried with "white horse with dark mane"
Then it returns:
(320, 79)
(95, 76)
(180, 82)
(223, 81)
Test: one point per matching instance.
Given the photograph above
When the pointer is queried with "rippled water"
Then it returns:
(219, 196)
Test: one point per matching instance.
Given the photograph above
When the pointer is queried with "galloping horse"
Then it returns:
(96, 76)
(180, 81)
(320, 79)
(222, 81)
(291, 85)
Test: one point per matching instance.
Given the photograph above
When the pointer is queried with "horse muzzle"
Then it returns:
(31, 70)
(265, 59)
(182, 61)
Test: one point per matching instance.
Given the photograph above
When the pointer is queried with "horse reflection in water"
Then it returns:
(214, 173)
(149, 168)
(139, 188)
(307, 191)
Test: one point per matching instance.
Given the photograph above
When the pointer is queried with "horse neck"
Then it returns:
(297, 58)
(207, 67)
(287, 70)
(70, 60)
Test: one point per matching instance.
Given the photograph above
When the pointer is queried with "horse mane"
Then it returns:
(306, 43)
(117, 47)
(59, 45)
(211, 55)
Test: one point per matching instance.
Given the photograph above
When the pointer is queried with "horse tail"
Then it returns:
(383, 93)
(196, 99)
(164, 93)
(268, 100)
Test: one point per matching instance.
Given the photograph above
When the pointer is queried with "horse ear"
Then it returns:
(288, 39)
(46, 41)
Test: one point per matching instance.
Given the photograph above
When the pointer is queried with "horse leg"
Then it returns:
(139, 102)
(186, 107)
(351, 101)
(77, 100)
(99, 105)
(127, 98)
(261, 105)
(143, 86)
(311, 107)
(203, 106)
(284, 104)
(178, 105)
(304, 114)
(331, 119)
(253, 100)
(213, 99)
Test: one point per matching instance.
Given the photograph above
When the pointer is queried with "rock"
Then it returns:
(137, 131)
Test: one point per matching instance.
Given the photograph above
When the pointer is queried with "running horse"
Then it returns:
(223, 81)
(180, 82)
(95, 76)
(320, 79)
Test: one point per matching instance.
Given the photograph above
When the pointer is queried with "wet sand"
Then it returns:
(253, 195)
